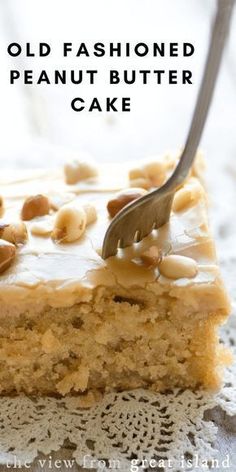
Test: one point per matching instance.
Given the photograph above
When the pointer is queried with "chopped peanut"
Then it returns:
(149, 174)
(1, 205)
(37, 205)
(176, 267)
(187, 196)
(151, 257)
(136, 174)
(91, 213)
(140, 183)
(43, 226)
(79, 170)
(123, 198)
(7, 254)
(155, 172)
(15, 233)
(69, 224)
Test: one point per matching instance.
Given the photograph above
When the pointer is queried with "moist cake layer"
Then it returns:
(72, 322)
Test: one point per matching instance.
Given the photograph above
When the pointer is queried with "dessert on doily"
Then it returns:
(72, 322)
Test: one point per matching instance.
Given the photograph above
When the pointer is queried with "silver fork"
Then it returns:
(151, 211)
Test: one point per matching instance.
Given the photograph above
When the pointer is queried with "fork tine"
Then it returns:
(121, 243)
(110, 244)
(137, 236)
(129, 239)
(132, 226)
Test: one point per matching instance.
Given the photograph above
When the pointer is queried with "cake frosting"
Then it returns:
(71, 322)
(43, 265)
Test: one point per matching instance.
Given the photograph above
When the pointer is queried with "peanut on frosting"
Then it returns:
(151, 257)
(1, 204)
(37, 205)
(155, 172)
(122, 199)
(43, 226)
(151, 174)
(91, 213)
(77, 170)
(7, 254)
(136, 173)
(176, 267)
(15, 233)
(71, 221)
(141, 182)
(188, 195)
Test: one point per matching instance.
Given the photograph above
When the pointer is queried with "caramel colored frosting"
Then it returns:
(58, 273)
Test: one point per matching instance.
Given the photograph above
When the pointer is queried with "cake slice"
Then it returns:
(72, 322)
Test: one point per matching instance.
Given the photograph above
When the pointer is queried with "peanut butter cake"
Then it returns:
(72, 322)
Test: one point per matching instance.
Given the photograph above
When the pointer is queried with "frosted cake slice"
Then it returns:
(72, 322)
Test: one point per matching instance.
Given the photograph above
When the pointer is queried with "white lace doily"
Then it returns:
(133, 429)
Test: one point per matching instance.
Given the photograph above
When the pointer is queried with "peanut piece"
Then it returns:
(123, 198)
(79, 170)
(155, 171)
(15, 233)
(151, 257)
(136, 174)
(37, 205)
(140, 183)
(177, 267)
(1, 205)
(7, 254)
(43, 226)
(188, 195)
(91, 213)
(69, 224)
(151, 174)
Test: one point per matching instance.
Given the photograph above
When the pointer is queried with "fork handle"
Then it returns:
(218, 39)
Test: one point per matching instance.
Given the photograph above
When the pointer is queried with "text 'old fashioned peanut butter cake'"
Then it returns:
(72, 322)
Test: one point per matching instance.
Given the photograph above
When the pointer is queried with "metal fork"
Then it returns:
(139, 218)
